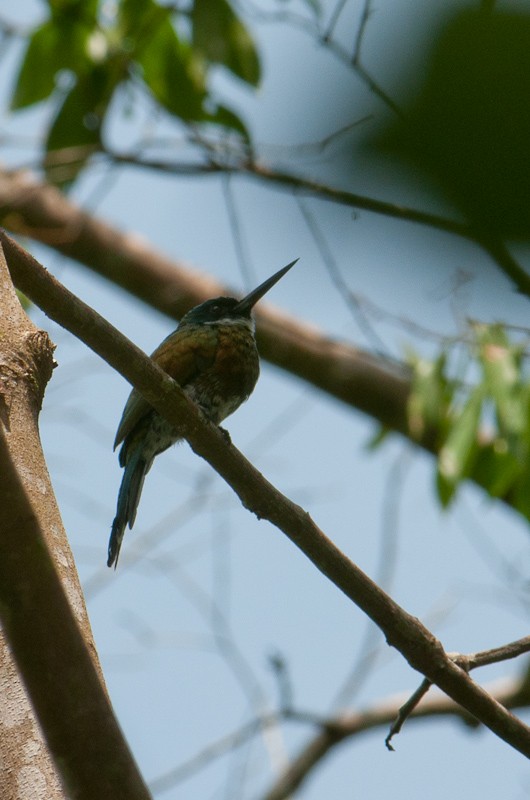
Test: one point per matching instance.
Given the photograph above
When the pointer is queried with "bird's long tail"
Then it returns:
(132, 483)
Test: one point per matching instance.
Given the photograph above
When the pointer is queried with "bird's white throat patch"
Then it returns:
(249, 324)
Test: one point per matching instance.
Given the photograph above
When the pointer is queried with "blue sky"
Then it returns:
(188, 624)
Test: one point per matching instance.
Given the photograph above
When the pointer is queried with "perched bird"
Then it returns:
(213, 356)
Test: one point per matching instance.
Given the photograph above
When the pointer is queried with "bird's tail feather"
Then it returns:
(128, 498)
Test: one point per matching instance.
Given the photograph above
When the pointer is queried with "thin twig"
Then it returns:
(465, 662)
(511, 693)
(333, 20)
(370, 334)
(361, 30)
(363, 73)
(406, 710)
(291, 181)
(486, 657)
(369, 647)
(495, 248)
(240, 244)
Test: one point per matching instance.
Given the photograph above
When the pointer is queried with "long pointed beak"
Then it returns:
(251, 299)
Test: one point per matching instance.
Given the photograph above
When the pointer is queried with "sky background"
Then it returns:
(205, 596)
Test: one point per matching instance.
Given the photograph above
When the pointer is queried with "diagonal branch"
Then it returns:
(403, 631)
(361, 380)
(347, 373)
(289, 180)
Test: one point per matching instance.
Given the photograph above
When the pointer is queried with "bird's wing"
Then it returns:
(183, 354)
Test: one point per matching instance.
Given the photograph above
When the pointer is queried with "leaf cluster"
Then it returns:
(81, 57)
(482, 425)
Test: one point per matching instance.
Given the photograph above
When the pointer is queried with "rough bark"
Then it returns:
(26, 357)
(41, 615)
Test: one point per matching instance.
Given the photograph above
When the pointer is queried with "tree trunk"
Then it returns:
(26, 361)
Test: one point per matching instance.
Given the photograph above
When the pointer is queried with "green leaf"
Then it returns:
(223, 39)
(522, 493)
(133, 15)
(445, 490)
(54, 46)
(430, 395)
(78, 124)
(173, 72)
(223, 116)
(77, 8)
(460, 448)
(496, 468)
(501, 365)
(381, 435)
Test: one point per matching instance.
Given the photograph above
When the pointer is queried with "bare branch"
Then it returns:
(406, 710)
(496, 249)
(364, 325)
(511, 693)
(358, 66)
(467, 663)
(291, 181)
(403, 631)
(503, 653)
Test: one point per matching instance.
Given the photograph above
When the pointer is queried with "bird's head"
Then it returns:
(229, 310)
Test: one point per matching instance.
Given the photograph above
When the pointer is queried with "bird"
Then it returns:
(212, 355)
